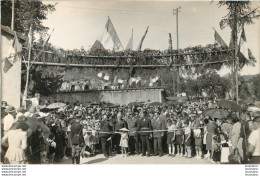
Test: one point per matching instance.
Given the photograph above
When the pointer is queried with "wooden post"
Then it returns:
(173, 71)
(235, 54)
(27, 70)
(12, 22)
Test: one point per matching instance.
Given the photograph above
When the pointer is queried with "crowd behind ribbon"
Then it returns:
(76, 131)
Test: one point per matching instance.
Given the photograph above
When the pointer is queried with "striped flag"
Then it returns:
(243, 48)
(142, 40)
(129, 45)
(109, 39)
(14, 54)
(219, 39)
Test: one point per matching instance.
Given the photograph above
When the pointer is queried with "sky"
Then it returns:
(80, 23)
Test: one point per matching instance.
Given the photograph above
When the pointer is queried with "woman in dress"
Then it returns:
(238, 137)
(17, 143)
(211, 131)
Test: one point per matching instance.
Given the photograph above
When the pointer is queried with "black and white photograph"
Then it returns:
(130, 82)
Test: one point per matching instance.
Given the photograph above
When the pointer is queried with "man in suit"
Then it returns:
(133, 134)
(144, 124)
(105, 137)
(77, 140)
(158, 124)
(118, 124)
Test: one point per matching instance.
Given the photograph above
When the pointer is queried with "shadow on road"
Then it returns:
(95, 161)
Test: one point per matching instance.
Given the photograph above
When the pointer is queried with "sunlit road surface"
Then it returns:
(118, 159)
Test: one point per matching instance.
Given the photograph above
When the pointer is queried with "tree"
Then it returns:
(239, 14)
(42, 81)
(256, 86)
(26, 13)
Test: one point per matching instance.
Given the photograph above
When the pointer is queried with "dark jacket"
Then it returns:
(132, 126)
(158, 124)
(76, 134)
(119, 125)
(105, 127)
(144, 124)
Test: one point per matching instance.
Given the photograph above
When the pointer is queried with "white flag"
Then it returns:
(109, 39)
(120, 81)
(100, 74)
(155, 79)
(243, 45)
(137, 80)
(106, 77)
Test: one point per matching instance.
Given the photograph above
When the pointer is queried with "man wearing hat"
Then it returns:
(9, 119)
(144, 124)
(118, 124)
(158, 124)
(133, 134)
(105, 137)
(77, 140)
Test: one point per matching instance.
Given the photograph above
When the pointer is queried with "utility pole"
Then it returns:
(235, 52)
(176, 12)
(12, 22)
(172, 62)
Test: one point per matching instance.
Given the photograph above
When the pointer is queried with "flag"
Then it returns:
(243, 48)
(13, 54)
(218, 39)
(109, 38)
(151, 82)
(100, 74)
(155, 79)
(120, 81)
(106, 77)
(129, 45)
(142, 40)
(115, 80)
(138, 79)
(97, 45)
(231, 43)
(131, 80)
(47, 40)
(7, 65)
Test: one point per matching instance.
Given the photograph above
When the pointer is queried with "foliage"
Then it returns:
(209, 82)
(27, 13)
(239, 14)
(239, 10)
(256, 86)
(42, 81)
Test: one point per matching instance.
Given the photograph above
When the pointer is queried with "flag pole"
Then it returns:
(27, 70)
(12, 22)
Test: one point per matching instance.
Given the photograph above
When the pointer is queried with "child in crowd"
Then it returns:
(187, 138)
(179, 138)
(171, 137)
(52, 148)
(198, 141)
(216, 149)
(124, 141)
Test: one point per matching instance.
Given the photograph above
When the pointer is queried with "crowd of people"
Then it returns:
(76, 131)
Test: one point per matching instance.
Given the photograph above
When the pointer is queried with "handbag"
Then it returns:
(224, 153)
(234, 157)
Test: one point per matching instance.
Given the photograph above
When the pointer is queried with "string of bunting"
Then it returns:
(149, 131)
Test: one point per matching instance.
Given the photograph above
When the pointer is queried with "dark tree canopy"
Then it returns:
(27, 13)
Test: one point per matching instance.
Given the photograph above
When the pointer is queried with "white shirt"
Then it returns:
(254, 140)
(35, 102)
(8, 121)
